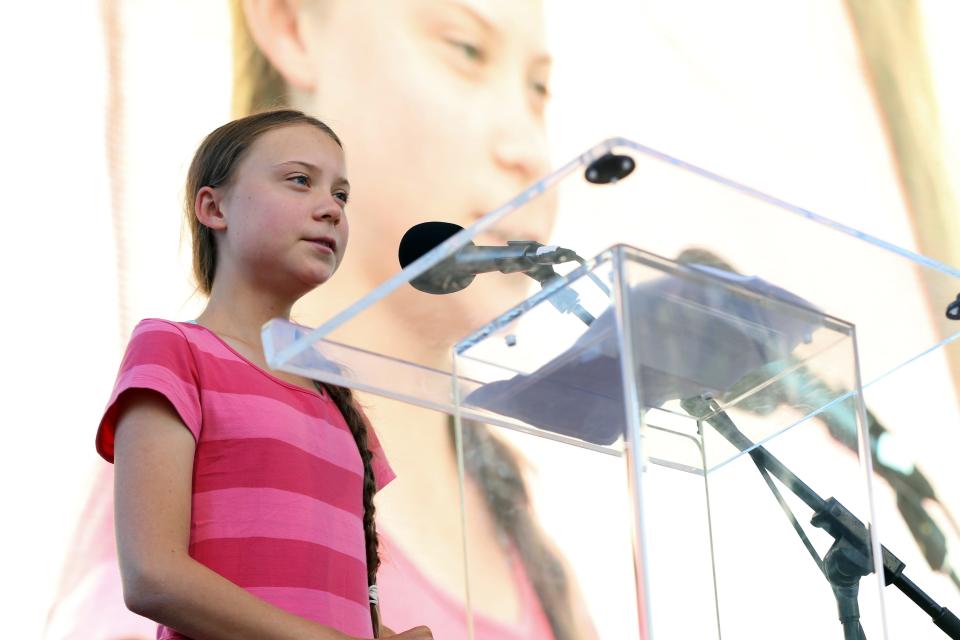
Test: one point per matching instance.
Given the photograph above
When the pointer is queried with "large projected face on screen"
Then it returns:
(440, 105)
(445, 113)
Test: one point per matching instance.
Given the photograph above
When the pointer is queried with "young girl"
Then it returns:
(244, 497)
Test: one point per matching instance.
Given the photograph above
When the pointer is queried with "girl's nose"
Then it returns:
(329, 209)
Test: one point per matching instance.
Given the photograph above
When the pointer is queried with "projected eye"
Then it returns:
(469, 50)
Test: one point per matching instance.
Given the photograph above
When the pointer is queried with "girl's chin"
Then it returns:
(308, 282)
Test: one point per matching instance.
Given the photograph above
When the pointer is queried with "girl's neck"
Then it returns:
(240, 312)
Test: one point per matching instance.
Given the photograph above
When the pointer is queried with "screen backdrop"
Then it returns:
(107, 101)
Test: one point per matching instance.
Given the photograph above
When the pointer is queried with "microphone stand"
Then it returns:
(848, 559)
(806, 390)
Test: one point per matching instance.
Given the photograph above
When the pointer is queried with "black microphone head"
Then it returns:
(423, 237)
(420, 239)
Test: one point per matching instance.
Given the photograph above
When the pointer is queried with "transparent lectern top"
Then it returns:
(671, 334)
(398, 341)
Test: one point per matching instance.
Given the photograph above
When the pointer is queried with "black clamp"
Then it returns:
(953, 309)
(609, 168)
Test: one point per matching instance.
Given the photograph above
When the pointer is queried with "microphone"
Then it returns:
(458, 271)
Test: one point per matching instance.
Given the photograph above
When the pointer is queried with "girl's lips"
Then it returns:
(326, 244)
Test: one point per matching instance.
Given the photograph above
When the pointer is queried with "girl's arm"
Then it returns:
(154, 453)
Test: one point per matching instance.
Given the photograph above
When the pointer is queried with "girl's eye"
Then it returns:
(342, 196)
(300, 179)
(541, 89)
(470, 51)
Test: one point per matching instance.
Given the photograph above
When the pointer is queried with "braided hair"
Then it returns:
(343, 398)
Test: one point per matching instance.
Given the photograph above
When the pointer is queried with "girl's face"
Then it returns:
(285, 224)
(442, 105)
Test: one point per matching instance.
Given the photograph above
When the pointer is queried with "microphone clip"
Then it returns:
(953, 309)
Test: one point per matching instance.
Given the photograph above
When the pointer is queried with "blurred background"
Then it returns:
(850, 108)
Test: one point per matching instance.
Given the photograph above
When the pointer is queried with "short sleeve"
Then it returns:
(382, 471)
(158, 358)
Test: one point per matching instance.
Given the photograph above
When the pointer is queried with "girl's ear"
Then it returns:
(207, 209)
(274, 26)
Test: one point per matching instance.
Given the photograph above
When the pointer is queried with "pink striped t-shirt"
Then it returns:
(277, 503)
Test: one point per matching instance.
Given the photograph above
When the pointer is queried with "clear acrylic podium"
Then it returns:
(701, 306)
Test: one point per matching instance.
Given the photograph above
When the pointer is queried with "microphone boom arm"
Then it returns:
(850, 554)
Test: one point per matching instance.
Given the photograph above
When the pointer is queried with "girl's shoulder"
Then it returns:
(187, 331)
(211, 359)
(160, 342)
(181, 345)
(183, 327)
